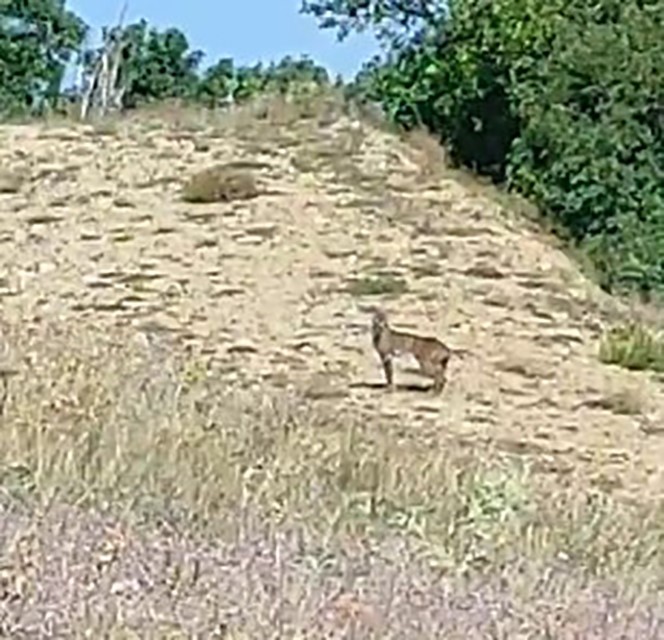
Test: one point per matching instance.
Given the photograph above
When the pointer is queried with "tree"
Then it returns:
(397, 22)
(154, 65)
(37, 40)
(218, 83)
(224, 83)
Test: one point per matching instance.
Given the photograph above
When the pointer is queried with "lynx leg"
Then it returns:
(389, 370)
(440, 377)
(439, 383)
(436, 368)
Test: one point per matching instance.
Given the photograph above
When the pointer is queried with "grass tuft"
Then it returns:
(220, 183)
(633, 346)
(377, 286)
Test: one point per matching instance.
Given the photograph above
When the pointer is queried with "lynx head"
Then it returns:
(378, 322)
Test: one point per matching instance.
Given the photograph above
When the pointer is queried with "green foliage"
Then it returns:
(561, 100)
(591, 149)
(396, 21)
(218, 83)
(37, 39)
(379, 285)
(223, 81)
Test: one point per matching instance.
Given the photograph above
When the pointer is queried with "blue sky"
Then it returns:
(245, 30)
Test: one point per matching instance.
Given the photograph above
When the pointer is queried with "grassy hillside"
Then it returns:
(195, 434)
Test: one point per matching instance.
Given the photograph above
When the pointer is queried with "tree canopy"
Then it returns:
(37, 39)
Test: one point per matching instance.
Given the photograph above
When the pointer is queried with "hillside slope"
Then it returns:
(98, 233)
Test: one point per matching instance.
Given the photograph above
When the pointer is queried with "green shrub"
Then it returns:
(591, 148)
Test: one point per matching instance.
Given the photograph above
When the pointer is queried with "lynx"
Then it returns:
(431, 354)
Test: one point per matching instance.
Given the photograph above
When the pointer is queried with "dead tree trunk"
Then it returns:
(104, 92)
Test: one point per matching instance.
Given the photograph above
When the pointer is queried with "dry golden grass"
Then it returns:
(625, 401)
(430, 153)
(96, 422)
(98, 419)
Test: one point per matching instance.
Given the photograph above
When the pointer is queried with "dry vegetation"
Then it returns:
(194, 439)
(220, 184)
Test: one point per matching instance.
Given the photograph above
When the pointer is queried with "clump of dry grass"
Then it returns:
(431, 154)
(307, 103)
(106, 127)
(220, 183)
(624, 401)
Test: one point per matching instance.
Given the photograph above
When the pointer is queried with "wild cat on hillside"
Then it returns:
(431, 353)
